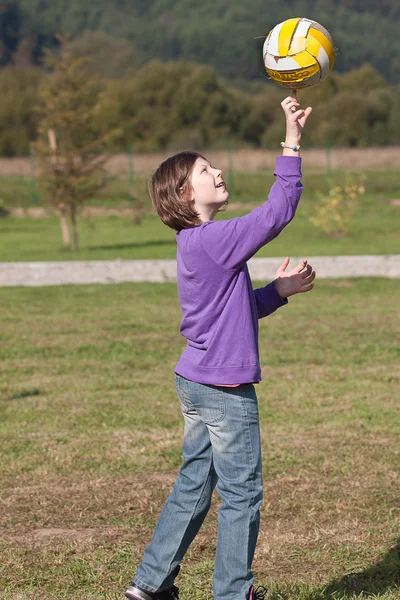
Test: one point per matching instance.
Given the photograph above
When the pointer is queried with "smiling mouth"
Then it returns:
(222, 184)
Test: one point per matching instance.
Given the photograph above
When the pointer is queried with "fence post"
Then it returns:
(131, 174)
(328, 148)
(32, 177)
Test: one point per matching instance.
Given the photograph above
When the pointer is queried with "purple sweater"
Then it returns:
(220, 309)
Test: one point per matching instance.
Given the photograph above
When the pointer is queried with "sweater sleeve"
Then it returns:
(268, 300)
(231, 243)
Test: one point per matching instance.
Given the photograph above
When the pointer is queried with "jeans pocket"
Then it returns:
(249, 399)
(209, 401)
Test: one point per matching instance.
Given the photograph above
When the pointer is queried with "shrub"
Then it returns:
(334, 210)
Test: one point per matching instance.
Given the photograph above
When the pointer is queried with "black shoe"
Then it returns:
(257, 594)
(135, 593)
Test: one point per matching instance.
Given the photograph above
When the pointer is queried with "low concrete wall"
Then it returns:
(117, 271)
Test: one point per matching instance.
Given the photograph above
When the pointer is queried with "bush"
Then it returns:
(175, 105)
(334, 210)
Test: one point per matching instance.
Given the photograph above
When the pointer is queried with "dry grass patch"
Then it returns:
(91, 442)
(311, 530)
(244, 159)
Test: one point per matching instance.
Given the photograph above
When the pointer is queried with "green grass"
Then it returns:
(91, 439)
(248, 187)
(373, 229)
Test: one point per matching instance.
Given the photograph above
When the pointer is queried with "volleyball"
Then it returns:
(298, 53)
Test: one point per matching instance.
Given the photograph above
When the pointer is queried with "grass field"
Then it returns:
(373, 229)
(91, 442)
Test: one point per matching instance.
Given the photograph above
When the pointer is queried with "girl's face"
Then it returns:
(208, 188)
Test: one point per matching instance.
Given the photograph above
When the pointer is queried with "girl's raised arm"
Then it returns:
(231, 243)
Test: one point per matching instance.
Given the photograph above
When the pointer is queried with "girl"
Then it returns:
(220, 364)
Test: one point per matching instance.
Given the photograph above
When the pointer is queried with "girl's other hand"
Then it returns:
(298, 280)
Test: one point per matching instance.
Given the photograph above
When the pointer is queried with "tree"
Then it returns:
(219, 33)
(10, 26)
(173, 105)
(18, 122)
(110, 57)
(70, 137)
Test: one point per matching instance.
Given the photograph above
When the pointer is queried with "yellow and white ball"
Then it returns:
(298, 53)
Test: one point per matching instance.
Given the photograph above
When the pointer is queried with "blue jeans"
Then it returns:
(221, 448)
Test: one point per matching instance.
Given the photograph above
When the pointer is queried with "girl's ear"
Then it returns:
(187, 193)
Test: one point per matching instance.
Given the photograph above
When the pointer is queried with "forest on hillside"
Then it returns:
(227, 34)
(179, 73)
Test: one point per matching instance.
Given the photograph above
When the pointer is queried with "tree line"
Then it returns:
(227, 34)
(175, 105)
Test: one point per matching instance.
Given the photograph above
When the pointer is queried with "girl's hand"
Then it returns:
(297, 281)
(295, 119)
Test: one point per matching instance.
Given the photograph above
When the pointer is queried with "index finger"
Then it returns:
(294, 94)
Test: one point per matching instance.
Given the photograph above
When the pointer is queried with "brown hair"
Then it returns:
(169, 190)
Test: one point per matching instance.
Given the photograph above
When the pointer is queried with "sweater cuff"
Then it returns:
(275, 297)
(268, 300)
(288, 165)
